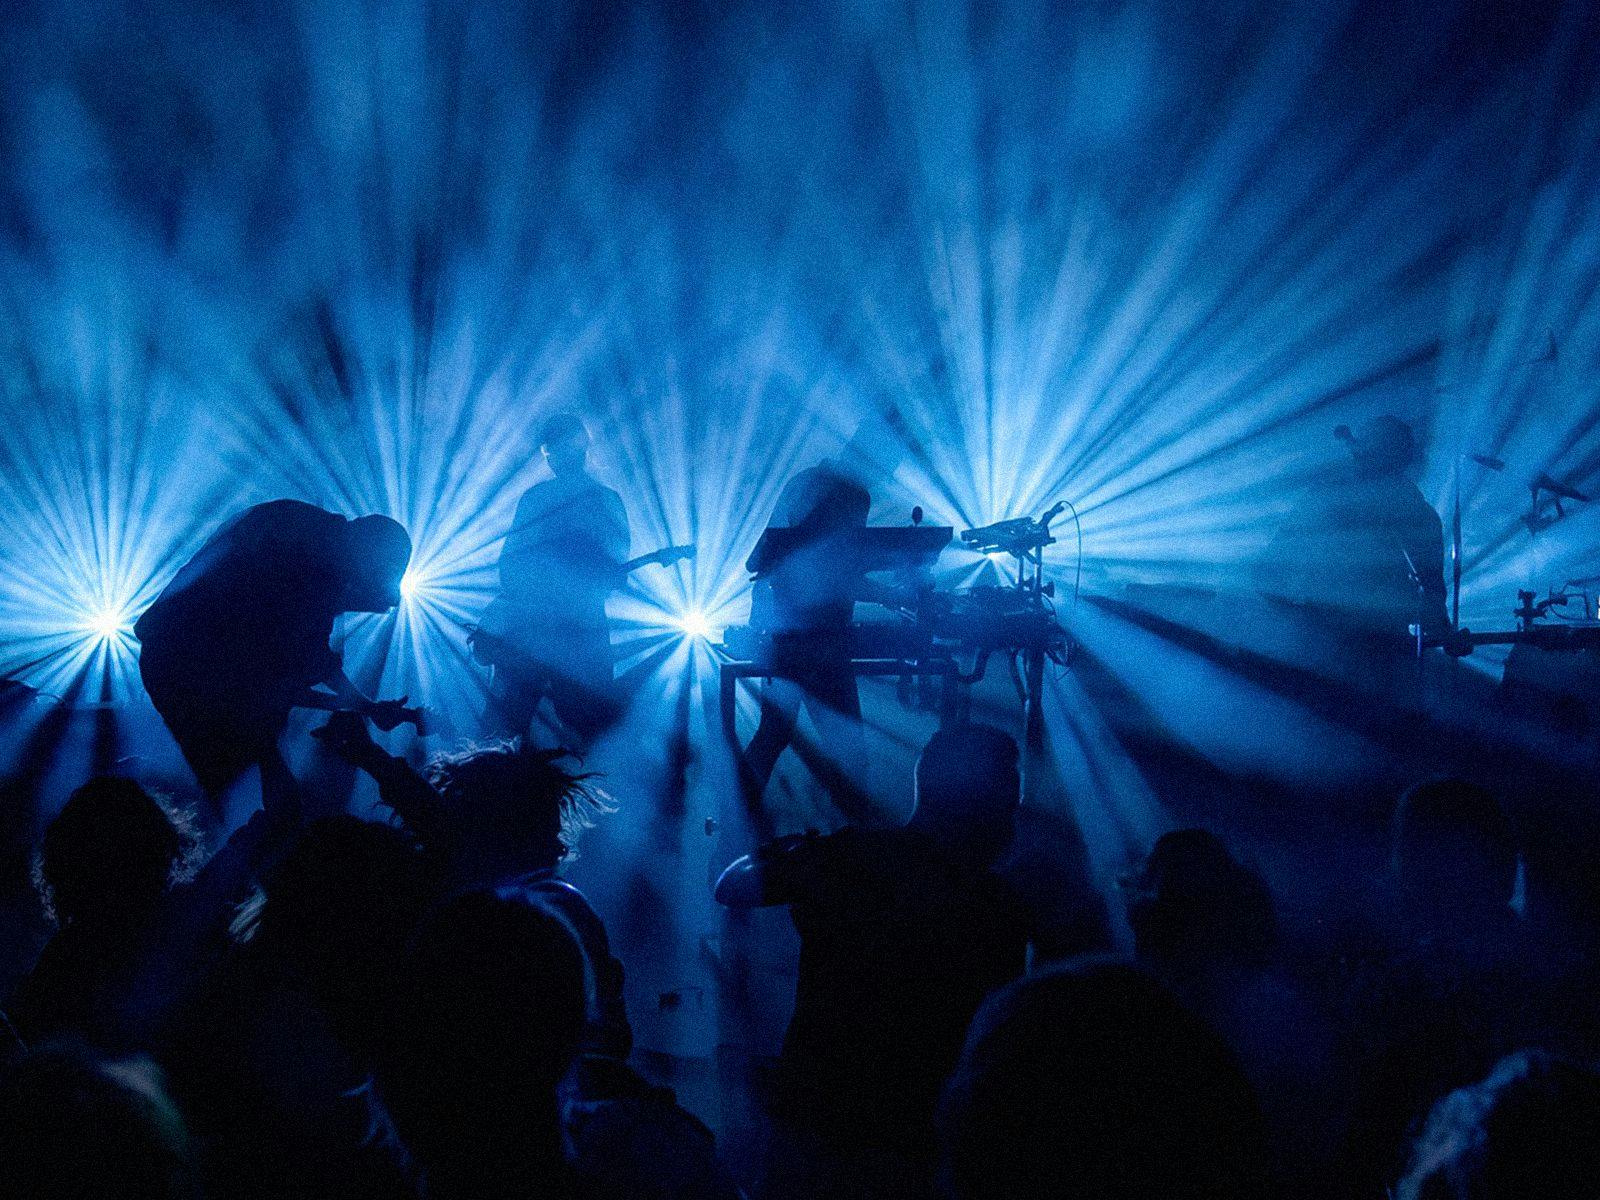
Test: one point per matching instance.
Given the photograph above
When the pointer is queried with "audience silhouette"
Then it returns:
(1092, 1080)
(138, 920)
(421, 1007)
(492, 1021)
(502, 815)
(74, 1126)
(903, 932)
(1530, 1130)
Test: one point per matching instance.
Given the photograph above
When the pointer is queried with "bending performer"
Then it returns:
(241, 635)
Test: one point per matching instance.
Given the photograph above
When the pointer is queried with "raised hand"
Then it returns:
(346, 735)
(390, 714)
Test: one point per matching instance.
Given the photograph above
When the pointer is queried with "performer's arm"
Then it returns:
(400, 787)
(346, 690)
(780, 872)
(345, 696)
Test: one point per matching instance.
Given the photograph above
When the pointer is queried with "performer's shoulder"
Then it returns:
(280, 521)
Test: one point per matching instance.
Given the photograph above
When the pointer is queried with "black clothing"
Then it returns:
(1370, 550)
(1360, 563)
(814, 588)
(899, 945)
(564, 556)
(242, 631)
(806, 603)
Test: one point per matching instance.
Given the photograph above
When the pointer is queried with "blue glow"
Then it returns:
(356, 253)
(697, 625)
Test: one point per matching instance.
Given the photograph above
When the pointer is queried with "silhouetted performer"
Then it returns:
(1472, 980)
(903, 932)
(241, 635)
(806, 602)
(547, 634)
(1365, 555)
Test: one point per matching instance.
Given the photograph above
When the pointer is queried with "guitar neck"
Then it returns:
(670, 554)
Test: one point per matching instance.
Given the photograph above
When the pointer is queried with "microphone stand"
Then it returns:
(1493, 464)
(1455, 554)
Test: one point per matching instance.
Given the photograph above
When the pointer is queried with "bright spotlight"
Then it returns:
(107, 624)
(410, 586)
(695, 624)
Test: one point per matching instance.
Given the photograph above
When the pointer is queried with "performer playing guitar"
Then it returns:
(547, 634)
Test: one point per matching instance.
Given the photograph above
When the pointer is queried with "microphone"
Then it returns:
(916, 515)
(1556, 488)
(1488, 460)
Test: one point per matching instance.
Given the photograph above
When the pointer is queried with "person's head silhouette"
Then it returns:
(968, 787)
(492, 1013)
(1454, 850)
(1382, 447)
(564, 441)
(1193, 902)
(1093, 1080)
(111, 852)
(513, 808)
(339, 910)
(379, 552)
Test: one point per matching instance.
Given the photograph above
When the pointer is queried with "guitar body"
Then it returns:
(497, 638)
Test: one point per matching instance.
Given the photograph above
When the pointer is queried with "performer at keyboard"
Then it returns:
(806, 603)
(547, 634)
(240, 637)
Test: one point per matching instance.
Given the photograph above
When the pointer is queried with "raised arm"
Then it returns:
(400, 787)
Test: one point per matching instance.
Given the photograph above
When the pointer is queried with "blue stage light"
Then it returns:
(109, 624)
(696, 624)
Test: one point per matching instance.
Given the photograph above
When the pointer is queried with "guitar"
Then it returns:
(492, 637)
(664, 557)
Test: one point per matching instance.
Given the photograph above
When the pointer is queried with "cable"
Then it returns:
(1077, 584)
(1077, 574)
